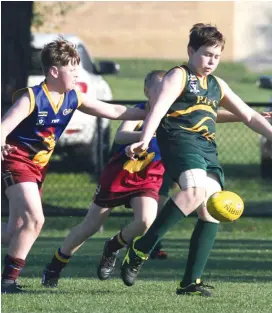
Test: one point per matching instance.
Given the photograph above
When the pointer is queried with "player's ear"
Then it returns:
(146, 92)
(54, 71)
(190, 51)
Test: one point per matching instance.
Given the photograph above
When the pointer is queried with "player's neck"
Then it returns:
(52, 87)
(193, 69)
(53, 94)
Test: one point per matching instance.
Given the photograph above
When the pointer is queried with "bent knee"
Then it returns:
(14, 227)
(204, 215)
(146, 223)
(194, 196)
(34, 223)
(37, 225)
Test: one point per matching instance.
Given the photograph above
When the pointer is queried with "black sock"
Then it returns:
(59, 261)
(116, 243)
(168, 217)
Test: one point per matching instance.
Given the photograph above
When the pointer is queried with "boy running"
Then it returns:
(133, 183)
(29, 133)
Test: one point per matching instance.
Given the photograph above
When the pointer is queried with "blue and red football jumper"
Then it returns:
(123, 178)
(36, 136)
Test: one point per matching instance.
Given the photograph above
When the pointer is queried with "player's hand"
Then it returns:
(267, 114)
(6, 150)
(135, 149)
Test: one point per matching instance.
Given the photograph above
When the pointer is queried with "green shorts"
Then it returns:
(177, 164)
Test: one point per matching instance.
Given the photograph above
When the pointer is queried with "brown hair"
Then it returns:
(58, 53)
(205, 35)
(153, 77)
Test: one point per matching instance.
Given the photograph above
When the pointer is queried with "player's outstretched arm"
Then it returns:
(127, 134)
(248, 116)
(99, 108)
(224, 116)
(14, 116)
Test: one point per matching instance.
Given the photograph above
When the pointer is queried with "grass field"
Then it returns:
(238, 146)
(239, 268)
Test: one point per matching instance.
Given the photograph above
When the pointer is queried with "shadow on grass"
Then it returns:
(230, 260)
(252, 209)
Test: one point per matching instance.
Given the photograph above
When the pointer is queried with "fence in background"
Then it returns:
(69, 187)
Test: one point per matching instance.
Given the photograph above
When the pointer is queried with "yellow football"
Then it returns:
(225, 206)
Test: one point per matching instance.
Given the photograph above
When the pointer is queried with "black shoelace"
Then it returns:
(137, 263)
(109, 260)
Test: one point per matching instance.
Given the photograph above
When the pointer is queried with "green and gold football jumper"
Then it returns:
(186, 138)
(186, 134)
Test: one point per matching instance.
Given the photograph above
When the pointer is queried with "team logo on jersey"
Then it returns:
(67, 111)
(192, 78)
(193, 84)
(41, 121)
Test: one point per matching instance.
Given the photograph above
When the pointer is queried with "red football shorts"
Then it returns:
(122, 180)
(17, 169)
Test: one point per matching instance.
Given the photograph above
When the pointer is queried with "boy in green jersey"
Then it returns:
(183, 116)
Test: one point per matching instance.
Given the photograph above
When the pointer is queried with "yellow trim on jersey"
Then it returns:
(32, 100)
(79, 98)
(203, 82)
(138, 126)
(184, 80)
(17, 94)
(54, 106)
(60, 258)
(192, 109)
(197, 127)
(221, 88)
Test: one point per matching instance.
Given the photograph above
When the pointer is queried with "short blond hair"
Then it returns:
(153, 77)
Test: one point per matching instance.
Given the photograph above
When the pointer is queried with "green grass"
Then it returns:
(239, 268)
(239, 149)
